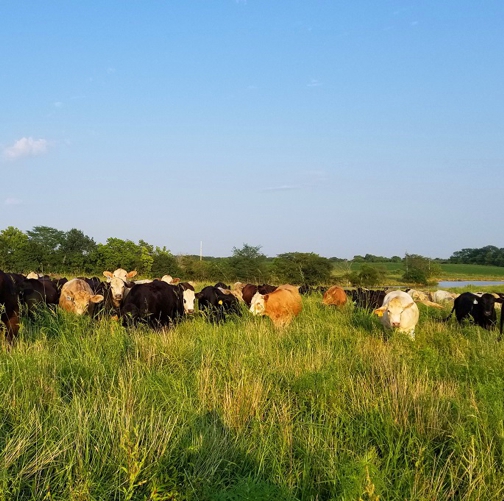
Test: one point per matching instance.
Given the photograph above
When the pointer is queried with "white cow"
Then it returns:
(417, 295)
(442, 296)
(400, 312)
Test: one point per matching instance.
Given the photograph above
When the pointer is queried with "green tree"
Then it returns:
(77, 252)
(44, 247)
(248, 264)
(164, 263)
(419, 269)
(117, 253)
(303, 268)
(13, 250)
(367, 276)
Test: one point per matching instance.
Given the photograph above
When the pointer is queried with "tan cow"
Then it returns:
(281, 305)
(77, 297)
(334, 296)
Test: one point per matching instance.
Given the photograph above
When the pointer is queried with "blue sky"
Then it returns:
(334, 127)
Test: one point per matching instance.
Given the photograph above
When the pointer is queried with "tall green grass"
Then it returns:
(330, 408)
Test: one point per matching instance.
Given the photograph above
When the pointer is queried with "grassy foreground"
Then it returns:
(330, 408)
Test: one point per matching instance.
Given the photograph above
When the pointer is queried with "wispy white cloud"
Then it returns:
(58, 104)
(26, 147)
(283, 187)
(314, 83)
(12, 201)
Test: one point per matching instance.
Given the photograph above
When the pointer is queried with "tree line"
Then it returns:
(488, 255)
(51, 251)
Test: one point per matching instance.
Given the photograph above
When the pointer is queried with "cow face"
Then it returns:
(189, 297)
(120, 273)
(392, 312)
(117, 290)
(258, 304)
(487, 302)
(78, 302)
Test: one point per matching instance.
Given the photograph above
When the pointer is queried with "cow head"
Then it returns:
(393, 311)
(258, 304)
(120, 273)
(189, 298)
(118, 290)
(78, 302)
(487, 302)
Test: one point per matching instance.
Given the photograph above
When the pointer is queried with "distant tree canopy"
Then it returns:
(488, 255)
(248, 264)
(367, 276)
(48, 250)
(371, 258)
(419, 269)
(302, 268)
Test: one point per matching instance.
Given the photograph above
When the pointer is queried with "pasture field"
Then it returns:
(330, 408)
(394, 271)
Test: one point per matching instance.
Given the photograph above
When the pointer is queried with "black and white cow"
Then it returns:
(480, 309)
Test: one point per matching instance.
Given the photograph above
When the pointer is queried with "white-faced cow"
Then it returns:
(281, 305)
(399, 312)
(118, 288)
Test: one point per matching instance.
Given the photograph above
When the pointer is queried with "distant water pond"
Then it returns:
(465, 283)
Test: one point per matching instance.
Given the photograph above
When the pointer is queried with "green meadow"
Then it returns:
(330, 408)
(394, 271)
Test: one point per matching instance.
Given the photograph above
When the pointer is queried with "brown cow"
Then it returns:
(334, 296)
(77, 297)
(281, 305)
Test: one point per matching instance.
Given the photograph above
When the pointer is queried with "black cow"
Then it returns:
(216, 305)
(222, 285)
(156, 303)
(35, 292)
(480, 309)
(502, 317)
(9, 306)
(367, 298)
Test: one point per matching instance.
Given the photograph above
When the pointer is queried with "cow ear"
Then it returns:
(107, 274)
(408, 306)
(97, 298)
(380, 311)
(266, 297)
(131, 274)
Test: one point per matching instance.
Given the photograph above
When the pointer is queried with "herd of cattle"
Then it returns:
(164, 302)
